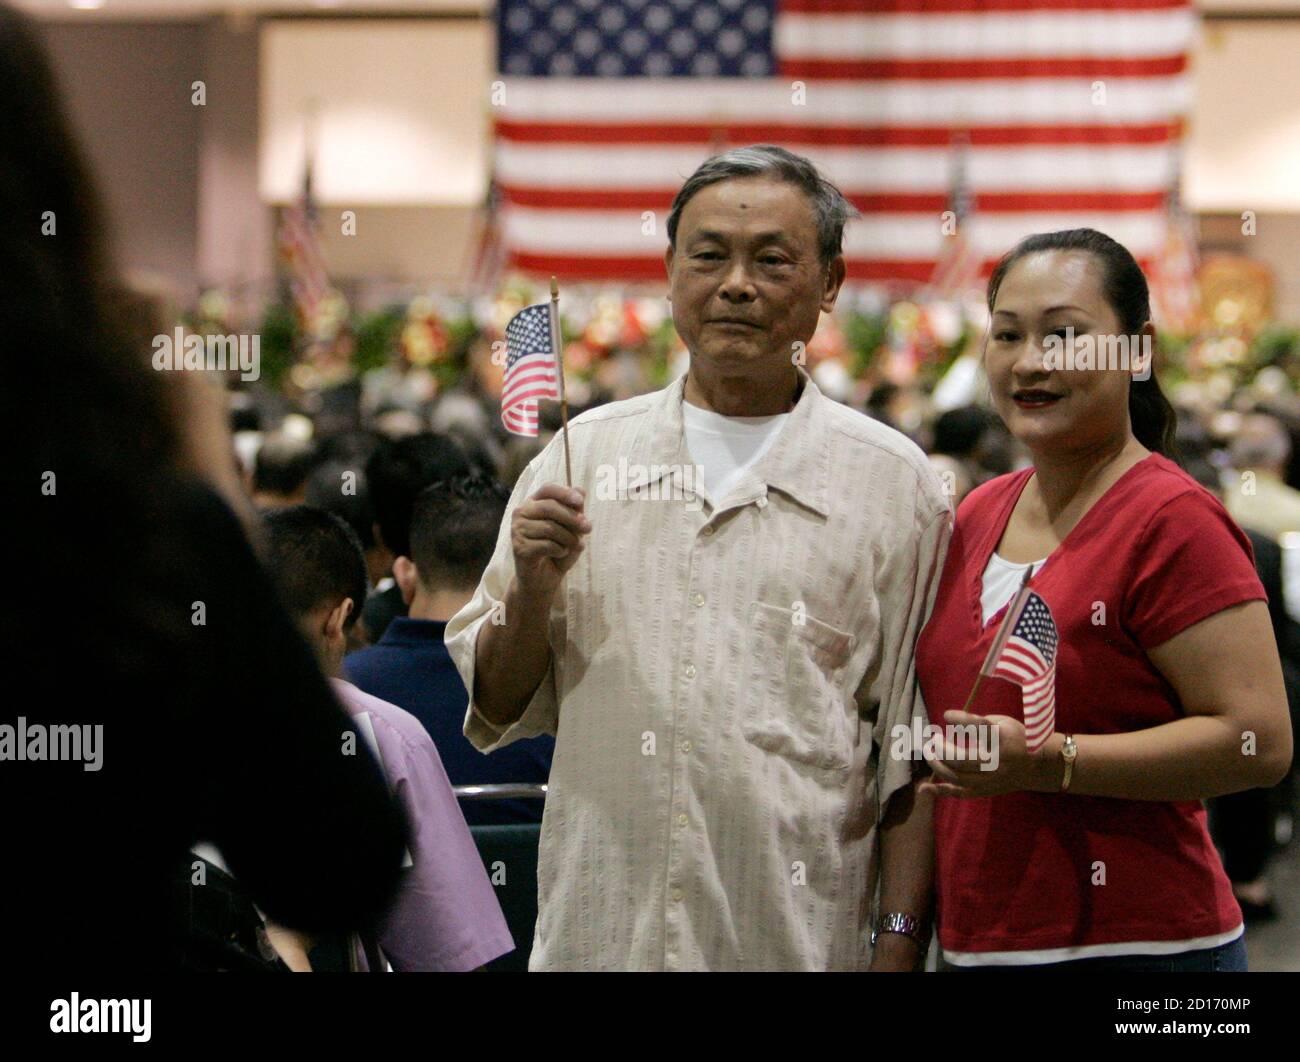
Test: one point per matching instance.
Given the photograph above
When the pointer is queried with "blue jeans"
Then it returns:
(1226, 958)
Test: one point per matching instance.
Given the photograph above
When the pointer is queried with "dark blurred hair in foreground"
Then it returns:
(74, 346)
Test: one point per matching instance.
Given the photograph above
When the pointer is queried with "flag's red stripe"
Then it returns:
(530, 378)
(537, 392)
(1038, 717)
(531, 364)
(869, 203)
(1040, 730)
(1046, 676)
(981, 69)
(1018, 653)
(612, 134)
(980, 7)
(1043, 704)
(1020, 673)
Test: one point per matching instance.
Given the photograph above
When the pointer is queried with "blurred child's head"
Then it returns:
(317, 563)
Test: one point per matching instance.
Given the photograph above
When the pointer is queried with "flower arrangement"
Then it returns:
(618, 343)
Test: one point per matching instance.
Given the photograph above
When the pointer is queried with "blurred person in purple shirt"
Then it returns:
(453, 531)
(445, 916)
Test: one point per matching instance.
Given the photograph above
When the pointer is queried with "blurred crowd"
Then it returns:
(1246, 451)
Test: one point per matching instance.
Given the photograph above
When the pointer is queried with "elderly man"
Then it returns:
(717, 623)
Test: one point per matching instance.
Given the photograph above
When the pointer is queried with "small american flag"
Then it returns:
(301, 251)
(959, 265)
(1175, 296)
(1025, 653)
(530, 369)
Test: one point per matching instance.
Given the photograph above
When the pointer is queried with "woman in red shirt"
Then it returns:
(1168, 685)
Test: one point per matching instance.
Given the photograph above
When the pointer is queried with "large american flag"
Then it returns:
(1073, 110)
(530, 368)
(1025, 652)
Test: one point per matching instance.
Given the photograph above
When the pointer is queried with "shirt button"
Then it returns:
(689, 671)
(762, 501)
(687, 746)
(677, 895)
(697, 599)
(708, 530)
(682, 820)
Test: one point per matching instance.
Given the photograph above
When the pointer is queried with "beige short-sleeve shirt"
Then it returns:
(723, 682)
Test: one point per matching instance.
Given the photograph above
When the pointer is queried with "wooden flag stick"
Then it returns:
(559, 369)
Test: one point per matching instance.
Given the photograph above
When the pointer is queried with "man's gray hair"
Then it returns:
(768, 160)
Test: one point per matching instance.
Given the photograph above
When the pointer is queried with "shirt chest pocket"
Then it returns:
(797, 704)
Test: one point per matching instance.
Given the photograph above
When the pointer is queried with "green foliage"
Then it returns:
(279, 334)
(865, 336)
(1278, 345)
(377, 335)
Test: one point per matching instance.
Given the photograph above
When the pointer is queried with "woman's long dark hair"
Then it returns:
(93, 431)
(76, 390)
(1125, 288)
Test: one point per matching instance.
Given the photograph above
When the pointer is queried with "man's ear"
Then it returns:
(407, 576)
(337, 617)
(835, 274)
(668, 266)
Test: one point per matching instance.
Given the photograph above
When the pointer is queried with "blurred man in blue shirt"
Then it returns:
(454, 526)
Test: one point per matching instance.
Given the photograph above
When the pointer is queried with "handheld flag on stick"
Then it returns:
(1024, 652)
(535, 370)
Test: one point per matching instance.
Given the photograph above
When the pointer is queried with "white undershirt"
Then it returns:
(1001, 580)
(725, 447)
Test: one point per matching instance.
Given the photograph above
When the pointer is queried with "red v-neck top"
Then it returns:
(1155, 554)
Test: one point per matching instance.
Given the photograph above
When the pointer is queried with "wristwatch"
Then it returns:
(906, 924)
(1068, 753)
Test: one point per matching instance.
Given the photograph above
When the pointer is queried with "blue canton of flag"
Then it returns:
(530, 369)
(608, 38)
